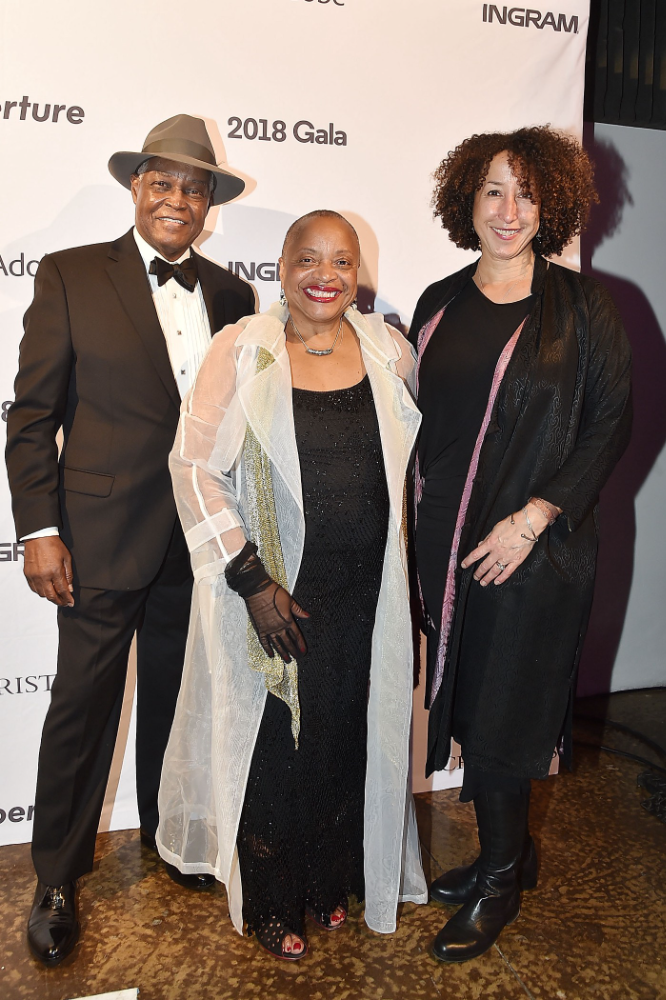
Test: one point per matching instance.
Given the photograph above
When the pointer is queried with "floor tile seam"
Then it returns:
(431, 855)
(514, 973)
(437, 989)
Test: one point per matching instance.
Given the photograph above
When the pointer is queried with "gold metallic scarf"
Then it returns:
(281, 678)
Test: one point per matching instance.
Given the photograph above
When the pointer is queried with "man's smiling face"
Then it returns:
(172, 201)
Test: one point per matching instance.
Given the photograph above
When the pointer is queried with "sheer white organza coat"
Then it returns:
(222, 699)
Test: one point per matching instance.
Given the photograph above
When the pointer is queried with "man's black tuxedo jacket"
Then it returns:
(94, 360)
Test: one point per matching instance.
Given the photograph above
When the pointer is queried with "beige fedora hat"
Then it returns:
(182, 139)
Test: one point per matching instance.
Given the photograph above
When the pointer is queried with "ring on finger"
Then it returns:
(500, 566)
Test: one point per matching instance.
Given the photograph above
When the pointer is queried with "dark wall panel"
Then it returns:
(626, 63)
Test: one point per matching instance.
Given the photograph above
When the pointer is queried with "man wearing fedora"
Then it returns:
(113, 340)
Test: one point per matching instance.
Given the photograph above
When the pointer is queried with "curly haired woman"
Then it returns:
(524, 385)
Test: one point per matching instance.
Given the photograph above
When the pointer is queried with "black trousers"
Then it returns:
(81, 725)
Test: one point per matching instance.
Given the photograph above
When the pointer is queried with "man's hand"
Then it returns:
(48, 569)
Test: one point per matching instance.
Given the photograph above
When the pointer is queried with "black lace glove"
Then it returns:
(271, 609)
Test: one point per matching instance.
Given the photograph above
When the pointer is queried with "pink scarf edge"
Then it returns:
(424, 336)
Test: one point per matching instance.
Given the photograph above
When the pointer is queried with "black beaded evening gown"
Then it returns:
(300, 839)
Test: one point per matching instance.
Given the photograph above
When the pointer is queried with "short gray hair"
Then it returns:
(318, 213)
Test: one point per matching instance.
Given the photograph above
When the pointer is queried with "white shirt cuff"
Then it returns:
(42, 533)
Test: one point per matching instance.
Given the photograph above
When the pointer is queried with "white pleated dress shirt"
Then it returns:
(184, 321)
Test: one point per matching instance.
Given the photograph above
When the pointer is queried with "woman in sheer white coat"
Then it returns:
(289, 469)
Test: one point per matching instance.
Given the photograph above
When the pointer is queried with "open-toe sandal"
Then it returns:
(326, 920)
(271, 937)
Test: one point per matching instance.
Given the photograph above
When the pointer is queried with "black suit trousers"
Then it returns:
(81, 725)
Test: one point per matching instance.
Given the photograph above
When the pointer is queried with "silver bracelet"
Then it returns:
(535, 537)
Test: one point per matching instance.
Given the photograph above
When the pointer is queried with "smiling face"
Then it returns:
(319, 270)
(172, 201)
(504, 218)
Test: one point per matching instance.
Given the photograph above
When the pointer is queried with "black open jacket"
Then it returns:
(561, 420)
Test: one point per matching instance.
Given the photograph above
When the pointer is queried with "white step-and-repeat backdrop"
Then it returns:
(343, 104)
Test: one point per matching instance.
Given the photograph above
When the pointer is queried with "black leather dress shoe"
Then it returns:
(196, 882)
(53, 924)
(148, 839)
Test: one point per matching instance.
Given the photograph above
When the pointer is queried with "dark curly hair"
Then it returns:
(553, 169)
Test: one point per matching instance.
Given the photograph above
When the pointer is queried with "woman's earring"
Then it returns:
(355, 304)
(283, 297)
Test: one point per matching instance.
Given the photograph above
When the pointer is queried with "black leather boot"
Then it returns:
(53, 924)
(456, 886)
(196, 882)
(495, 899)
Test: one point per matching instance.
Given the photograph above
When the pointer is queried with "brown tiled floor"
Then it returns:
(595, 926)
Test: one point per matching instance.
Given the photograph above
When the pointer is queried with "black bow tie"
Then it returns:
(185, 273)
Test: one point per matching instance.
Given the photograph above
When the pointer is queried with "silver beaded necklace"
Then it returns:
(311, 350)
